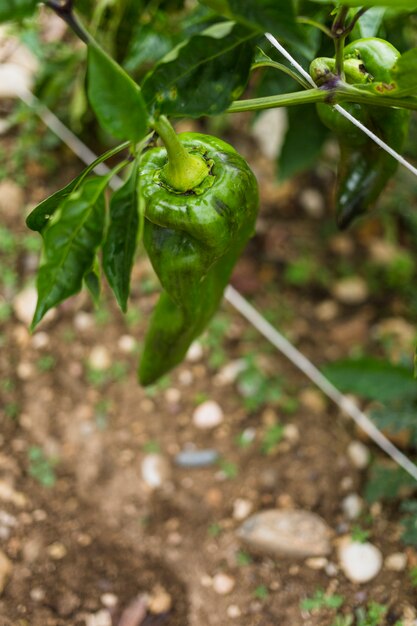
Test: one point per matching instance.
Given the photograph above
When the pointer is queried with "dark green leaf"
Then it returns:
(408, 5)
(92, 282)
(385, 483)
(203, 75)
(116, 99)
(119, 247)
(70, 244)
(16, 9)
(369, 23)
(405, 75)
(409, 522)
(397, 417)
(373, 379)
(147, 46)
(303, 141)
(273, 16)
(40, 216)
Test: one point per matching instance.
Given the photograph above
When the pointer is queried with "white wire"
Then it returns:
(398, 157)
(247, 310)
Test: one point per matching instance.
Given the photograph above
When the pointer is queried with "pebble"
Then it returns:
(37, 594)
(172, 395)
(383, 252)
(195, 352)
(291, 433)
(312, 202)
(396, 562)
(313, 400)
(360, 562)
(352, 506)
(352, 290)
(233, 611)
(25, 370)
(159, 601)
(101, 618)
(230, 372)
(11, 200)
(57, 551)
(287, 533)
(8, 494)
(109, 600)
(317, 562)
(209, 414)
(196, 458)
(127, 344)
(327, 310)
(99, 358)
(83, 321)
(359, 454)
(242, 508)
(155, 470)
(5, 570)
(24, 305)
(223, 584)
(40, 340)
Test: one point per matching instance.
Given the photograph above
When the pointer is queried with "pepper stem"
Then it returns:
(184, 170)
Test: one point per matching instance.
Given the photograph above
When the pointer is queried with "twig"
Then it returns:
(65, 11)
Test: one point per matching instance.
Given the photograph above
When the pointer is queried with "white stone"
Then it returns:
(109, 600)
(359, 454)
(352, 506)
(352, 290)
(233, 611)
(127, 344)
(99, 358)
(37, 594)
(360, 562)
(40, 340)
(195, 352)
(223, 584)
(312, 202)
(83, 321)
(269, 130)
(229, 372)
(11, 200)
(291, 433)
(155, 470)
(172, 395)
(159, 601)
(24, 305)
(317, 562)
(57, 551)
(101, 618)
(5, 570)
(14, 80)
(396, 562)
(242, 508)
(209, 414)
(287, 533)
(25, 370)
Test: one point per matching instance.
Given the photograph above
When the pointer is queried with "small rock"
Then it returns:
(359, 454)
(352, 506)
(8, 494)
(24, 305)
(331, 570)
(196, 458)
(342, 245)
(40, 340)
(383, 252)
(327, 310)
(37, 594)
(313, 400)
(317, 562)
(101, 618)
(159, 601)
(127, 344)
(11, 201)
(83, 321)
(195, 352)
(99, 358)
(229, 372)
(233, 611)
(291, 433)
(312, 202)
(109, 600)
(286, 533)
(155, 470)
(396, 562)
(57, 551)
(360, 562)
(172, 395)
(242, 508)
(5, 570)
(223, 584)
(209, 414)
(25, 370)
(352, 290)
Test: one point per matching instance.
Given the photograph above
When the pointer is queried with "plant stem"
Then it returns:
(339, 35)
(65, 11)
(282, 68)
(184, 170)
(283, 100)
(310, 22)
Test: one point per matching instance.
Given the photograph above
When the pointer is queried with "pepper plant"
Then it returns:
(192, 198)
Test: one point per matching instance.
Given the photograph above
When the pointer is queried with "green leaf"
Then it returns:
(274, 16)
(372, 379)
(396, 417)
(92, 282)
(405, 75)
(70, 244)
(368, 24)
(40, 216)
(408, 5)
(385, 483)
(116, 99)
(120, 245)
(16, 9)
(303, 141)
(203, 75)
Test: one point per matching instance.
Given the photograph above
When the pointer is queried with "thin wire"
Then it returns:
(302, 363)
(398, 157)
(247, 310)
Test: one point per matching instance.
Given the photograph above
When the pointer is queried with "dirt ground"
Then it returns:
(87, 537)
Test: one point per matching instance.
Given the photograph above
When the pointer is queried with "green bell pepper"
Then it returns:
(201, 201)
(364, 168)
